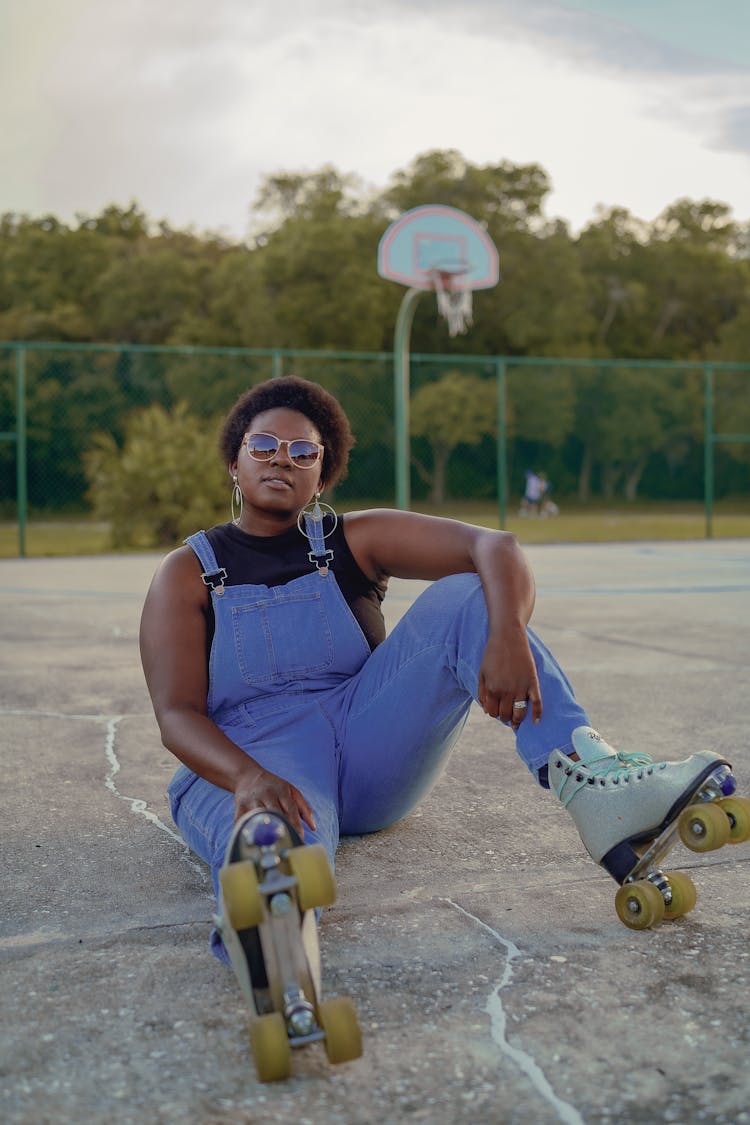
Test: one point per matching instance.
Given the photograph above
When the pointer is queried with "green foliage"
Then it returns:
(163, 484)
(542, 403)
(677, 288)
(457, 409)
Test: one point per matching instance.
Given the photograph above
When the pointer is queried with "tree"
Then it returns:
(41, 292)
(456, 409)
(505, 196)
(611, 251)
(300, 195)
(626, 415)
(695, 285)
(321, 279)
(163, 483)
(541, 305)
(237, 309)
(142, 296)
(541, 403)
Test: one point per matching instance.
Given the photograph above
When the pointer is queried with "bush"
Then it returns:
(164, 483)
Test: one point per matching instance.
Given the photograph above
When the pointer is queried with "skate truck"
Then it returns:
(712, 817)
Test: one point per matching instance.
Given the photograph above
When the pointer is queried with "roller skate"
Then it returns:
(271, 885)
(630, 811)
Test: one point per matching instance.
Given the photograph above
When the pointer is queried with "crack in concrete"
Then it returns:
(567, 1113)
(137, 804)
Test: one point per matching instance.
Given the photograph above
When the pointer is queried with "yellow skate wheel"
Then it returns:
(639, 905)
(704, 828)
(684, 895)
(338, 1018)
(240, 894)
(738, 811)
(269, 1044)
(316, 885)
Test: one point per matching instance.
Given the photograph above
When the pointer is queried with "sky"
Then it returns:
(185, 107)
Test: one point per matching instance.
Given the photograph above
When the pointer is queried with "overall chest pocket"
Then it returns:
(282, 638)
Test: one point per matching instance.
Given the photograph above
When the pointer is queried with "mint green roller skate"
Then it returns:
(630, 811)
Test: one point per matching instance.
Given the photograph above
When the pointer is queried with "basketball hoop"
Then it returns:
(453, 300)
(431, 247)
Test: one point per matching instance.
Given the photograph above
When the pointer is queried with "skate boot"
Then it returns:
(630, 811)
(271, 885)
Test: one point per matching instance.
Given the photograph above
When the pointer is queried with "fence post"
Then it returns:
(708, 446)
(404, 321)
(21, 470)
(502, 449)
(276, 365)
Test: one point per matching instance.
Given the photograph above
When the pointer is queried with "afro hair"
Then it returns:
(293, 393)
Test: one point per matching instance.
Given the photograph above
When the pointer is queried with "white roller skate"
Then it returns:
(271, 886)
(630, 811)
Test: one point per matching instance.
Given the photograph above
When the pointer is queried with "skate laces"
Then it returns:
(620, 764)
(612, 768)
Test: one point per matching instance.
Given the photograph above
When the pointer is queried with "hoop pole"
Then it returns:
(708, 448)
(401, 339)
(21, 472)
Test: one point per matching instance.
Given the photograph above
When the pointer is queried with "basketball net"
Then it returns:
(454, 304)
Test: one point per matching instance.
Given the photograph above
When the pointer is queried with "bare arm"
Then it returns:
(173, 654)
(409, 545)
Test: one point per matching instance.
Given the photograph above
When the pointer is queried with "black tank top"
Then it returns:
(274, 560)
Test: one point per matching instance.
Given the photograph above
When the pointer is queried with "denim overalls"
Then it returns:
(363, 735)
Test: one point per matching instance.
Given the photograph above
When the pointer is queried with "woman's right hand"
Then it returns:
(260, 789)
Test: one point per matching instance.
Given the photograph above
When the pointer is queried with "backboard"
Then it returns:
(433, 242)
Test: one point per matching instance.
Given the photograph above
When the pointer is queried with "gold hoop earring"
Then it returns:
(237, 501)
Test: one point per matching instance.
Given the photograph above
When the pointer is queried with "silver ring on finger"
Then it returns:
(520, 704)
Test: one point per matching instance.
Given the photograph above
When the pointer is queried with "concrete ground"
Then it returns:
(493, 980)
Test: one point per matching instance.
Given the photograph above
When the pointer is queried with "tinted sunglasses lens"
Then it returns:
(262, 446)
(304, 453)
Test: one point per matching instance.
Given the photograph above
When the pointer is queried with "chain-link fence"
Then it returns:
(600, 429)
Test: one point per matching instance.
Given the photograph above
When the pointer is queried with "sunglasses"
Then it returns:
(302, 453)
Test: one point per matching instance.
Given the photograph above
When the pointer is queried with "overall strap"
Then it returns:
(319, 555)
(213, 575)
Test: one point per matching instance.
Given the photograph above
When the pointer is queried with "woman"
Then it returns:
(273, 683)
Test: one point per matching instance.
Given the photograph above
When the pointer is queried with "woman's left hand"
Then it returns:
(507, 675)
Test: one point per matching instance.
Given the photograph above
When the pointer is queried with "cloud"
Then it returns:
(679, 37)
(736, 133)
(692, 60)
(185, 108)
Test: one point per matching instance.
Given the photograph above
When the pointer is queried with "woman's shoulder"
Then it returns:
(181, 562)
(363, 531)
(371, 524)
(367, 518)
(177, 581)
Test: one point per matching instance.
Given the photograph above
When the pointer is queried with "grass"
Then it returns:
(56, 537)
(618, 523)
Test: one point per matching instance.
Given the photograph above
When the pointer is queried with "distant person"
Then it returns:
(532, 494)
